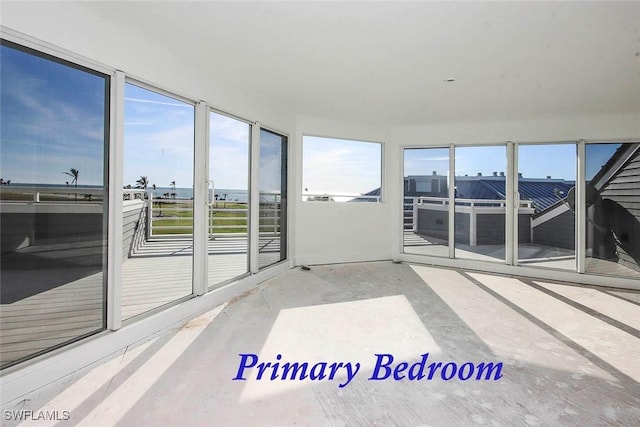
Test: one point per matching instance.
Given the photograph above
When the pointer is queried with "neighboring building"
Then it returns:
(546, 220)
(613, 217)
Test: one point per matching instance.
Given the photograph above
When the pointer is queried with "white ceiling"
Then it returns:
(386, 62)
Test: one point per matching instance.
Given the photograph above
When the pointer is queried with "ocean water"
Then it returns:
(229, 195)
(223, 194)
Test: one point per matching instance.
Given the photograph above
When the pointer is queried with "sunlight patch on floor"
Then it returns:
(622, 311)
(343, 332)
(501, 328)
(119, 401)
(594, 335)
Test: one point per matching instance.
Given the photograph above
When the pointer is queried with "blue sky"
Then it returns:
(158, 138)
(52, 120)
(535, 161)
(228, 152)
(336, 166)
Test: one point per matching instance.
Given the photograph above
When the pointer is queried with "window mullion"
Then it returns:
(116, 164)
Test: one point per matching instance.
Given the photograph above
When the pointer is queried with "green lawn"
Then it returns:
(175, 215)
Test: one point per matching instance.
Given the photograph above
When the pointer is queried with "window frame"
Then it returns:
(381, 198)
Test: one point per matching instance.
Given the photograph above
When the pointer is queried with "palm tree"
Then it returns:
(73, 173)
(142, 182)
(172, 184)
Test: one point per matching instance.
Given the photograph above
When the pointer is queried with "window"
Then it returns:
(480, 203)
(53, 202)
(338, 170)
(612, 206)
(426, 201)
(158, 206)
(272, 186)
(546, 219)
(228, 207)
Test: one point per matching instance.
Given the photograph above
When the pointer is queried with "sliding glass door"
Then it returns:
(426, 201)
(546, 211)
(53, 202)
(158, 200)
(272, 184)
(480, 203)
(612, 205)
(228, 198)
(532, 205)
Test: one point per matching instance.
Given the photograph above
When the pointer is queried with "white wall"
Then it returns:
(73, 27)
(340, 232)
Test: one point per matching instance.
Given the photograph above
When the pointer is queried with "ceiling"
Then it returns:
(387, 62)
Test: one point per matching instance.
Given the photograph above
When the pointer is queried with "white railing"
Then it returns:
(134, 194)
(345, 197)
(59, 194)
(226, 217)
(412, 204)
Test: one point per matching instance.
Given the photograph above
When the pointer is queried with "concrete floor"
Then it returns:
(569, 354)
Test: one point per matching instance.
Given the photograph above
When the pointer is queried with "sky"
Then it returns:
(535, 161)
(340, 167)
(158, 138)
(52, 119)
(228, 152)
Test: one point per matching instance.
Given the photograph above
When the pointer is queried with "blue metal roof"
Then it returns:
(544, 193)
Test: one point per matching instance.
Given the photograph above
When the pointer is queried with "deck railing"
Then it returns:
(325, 197)
(412, 204)
(174, 216)
(43, 193)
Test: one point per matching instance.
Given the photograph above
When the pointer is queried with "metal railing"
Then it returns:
(324, 197)
(174, 216)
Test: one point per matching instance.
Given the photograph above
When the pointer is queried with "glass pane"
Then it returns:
(339, 170)
(228, 198)
(272, 180)
(480, 203)
(426, 201)
(53, 203)
(546, 219)
(613, 209)
(158, 200)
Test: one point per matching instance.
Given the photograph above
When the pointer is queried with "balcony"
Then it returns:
(63, 296)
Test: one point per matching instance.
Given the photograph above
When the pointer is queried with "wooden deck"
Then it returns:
(159, 273)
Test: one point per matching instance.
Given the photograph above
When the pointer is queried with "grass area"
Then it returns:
(184, 221)
(180, 215)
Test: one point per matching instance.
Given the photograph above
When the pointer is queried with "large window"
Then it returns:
(338, 170)
(53, 202)
(613, 209)
(426, 201)
(228, 206)
(480, 203)
(546, 218)
(272, 185)
(158, 206)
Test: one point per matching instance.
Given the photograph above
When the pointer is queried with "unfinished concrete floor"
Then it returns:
(570, 355)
